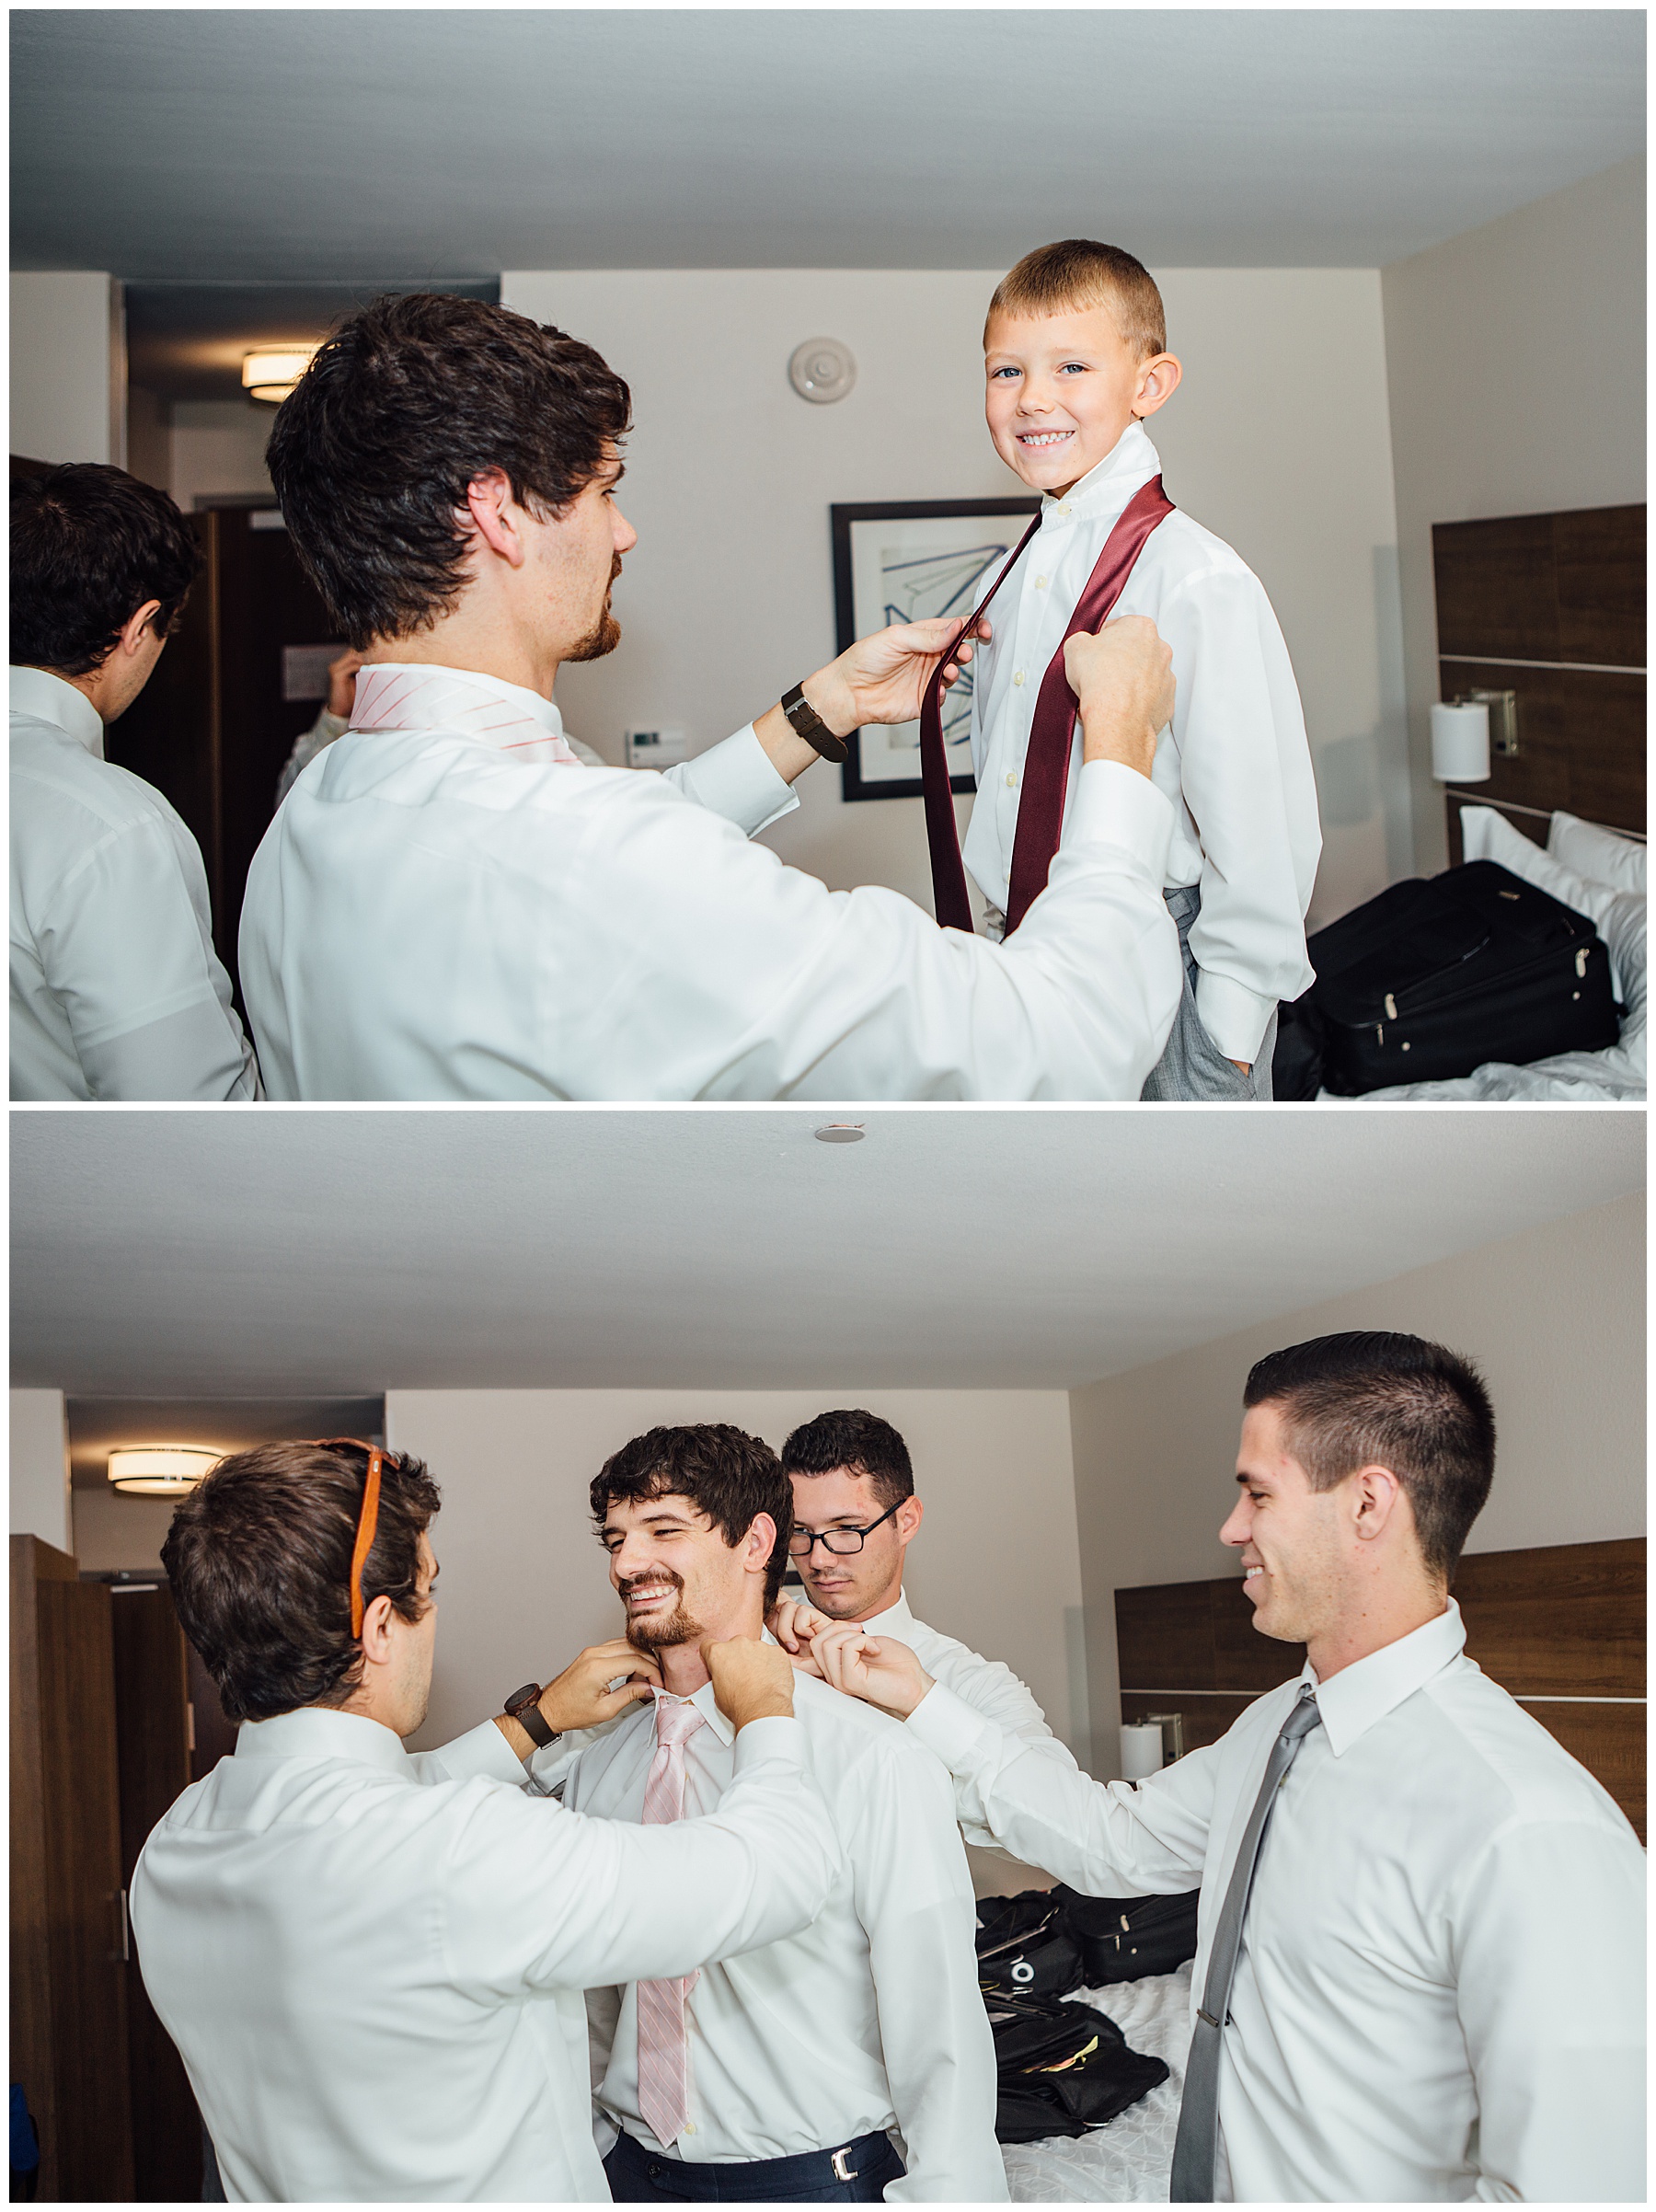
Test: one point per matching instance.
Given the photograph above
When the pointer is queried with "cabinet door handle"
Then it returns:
(126, 1932)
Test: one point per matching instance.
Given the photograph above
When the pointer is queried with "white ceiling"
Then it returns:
(289, 1252)
(266, 144)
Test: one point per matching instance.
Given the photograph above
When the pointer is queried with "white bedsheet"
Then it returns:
(1128, 2161)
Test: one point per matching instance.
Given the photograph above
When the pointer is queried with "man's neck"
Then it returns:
(883, 1604)
(1372, 1621)
(684, 1671)
(475, 645)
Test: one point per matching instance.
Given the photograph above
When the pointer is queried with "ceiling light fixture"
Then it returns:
(840, 1133)
(271, 373)
(161, 1470)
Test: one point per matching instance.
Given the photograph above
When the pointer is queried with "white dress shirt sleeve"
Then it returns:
(1554, 2021)
(1104, 1838)
(737, 779)
(914, 1897)
(540, 1896)
(1245, 775)
(125, 946)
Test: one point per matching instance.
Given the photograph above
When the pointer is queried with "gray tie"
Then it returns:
(1196, 2148)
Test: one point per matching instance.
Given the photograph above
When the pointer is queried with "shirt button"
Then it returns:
(689, 2128)
(1017, 679)
(1063, 509)
(1040, 583)
(1011, 781)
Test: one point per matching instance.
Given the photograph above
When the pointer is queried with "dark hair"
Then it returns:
(259, 1556)
(725, 1474)
(859, 1442)
(1083, 272)
(1372, 1397)
(406, 404)
(89, 545)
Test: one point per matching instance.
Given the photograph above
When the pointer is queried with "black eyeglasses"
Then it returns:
(842, 1542)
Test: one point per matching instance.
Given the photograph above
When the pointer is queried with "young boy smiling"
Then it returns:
(1076, 359)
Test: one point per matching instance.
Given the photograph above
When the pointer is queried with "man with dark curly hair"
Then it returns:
(450, 905)
(116, 990)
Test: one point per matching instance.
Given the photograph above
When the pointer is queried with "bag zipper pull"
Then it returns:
(1582, 961)
(1391, 1008)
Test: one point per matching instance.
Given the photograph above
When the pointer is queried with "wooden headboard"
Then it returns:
(1552, 607)
(1562, 1627)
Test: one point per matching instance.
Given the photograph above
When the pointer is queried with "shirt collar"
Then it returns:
(1365, 1692)
(48, 698)
(404, 694)
(893, 1621)
(1104, 491)
(319, 1733)
(706, 1703)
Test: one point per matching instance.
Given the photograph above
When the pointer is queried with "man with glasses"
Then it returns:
(854, 1515)
(852, 2061)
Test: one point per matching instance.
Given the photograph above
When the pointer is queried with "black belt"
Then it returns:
(800, 2172)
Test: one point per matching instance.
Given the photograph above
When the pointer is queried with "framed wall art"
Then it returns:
(902, 562)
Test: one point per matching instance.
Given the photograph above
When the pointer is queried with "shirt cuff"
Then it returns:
(1116, 805)
(780, 1737)
(481, 1751)
(738, 781)
(1233, 1016)
(944, 1723)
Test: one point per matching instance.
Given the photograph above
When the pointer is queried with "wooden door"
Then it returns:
(68, 2021)
(153, 1738)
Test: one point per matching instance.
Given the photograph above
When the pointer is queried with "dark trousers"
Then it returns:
(637, 2176)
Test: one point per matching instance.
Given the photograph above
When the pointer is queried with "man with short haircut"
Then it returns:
(116, 990)
(854, 1515)
(448, 905)
(1380, 2013)
(788, 2075)
(371, 1962)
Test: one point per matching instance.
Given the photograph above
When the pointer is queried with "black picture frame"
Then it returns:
(854, 785)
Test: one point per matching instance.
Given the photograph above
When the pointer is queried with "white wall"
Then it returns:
(38, 1476)
(1516, 358)
(1556, 1321)
(525, 1586)
(1278, 441)
(218, 447)
(68, 366)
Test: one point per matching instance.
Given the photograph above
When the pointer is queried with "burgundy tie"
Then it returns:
(1046, 763)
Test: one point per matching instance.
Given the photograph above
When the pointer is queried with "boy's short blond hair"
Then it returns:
(1079, 274)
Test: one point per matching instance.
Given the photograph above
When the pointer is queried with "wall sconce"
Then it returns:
(1460, 742)
(270, 373)
(161, 1470)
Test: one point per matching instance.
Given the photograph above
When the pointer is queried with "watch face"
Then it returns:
(526, 1695)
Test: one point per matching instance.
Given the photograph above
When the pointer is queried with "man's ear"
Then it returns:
(133, 629)
(376, 1630)
(1158, 381)
(758, 1544)
(493, 515)
(1379, 1503)
(910, 1514)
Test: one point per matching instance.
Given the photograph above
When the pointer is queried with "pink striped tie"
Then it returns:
(663, 2051)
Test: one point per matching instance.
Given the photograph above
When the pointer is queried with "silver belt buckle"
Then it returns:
(843, 2171)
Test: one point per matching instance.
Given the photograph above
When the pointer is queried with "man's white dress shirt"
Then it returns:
(436, 912)
(1441, 1989)
(870, 2018)
(1235, 763)
(373, 1962)
(116, 990)
(989, 1686)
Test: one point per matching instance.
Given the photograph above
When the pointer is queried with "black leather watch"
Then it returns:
(523, 1707)
(811, 726)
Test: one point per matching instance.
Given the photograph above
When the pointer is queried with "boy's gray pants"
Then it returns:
(1193, 1066)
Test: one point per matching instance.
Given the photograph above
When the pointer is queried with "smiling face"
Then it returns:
(866, 1582)
(678, 1578)
(1294, 1541)
(1061, 390)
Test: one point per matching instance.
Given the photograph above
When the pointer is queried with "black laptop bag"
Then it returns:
(1439, 975)
(1061, 2068)
(1123, 1939)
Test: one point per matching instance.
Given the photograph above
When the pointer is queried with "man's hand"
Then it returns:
(752, 1681)
(581, 1696)
(1123, 678)
(876, 1668)
(341, 683)
(793, 1623)
(882, 678)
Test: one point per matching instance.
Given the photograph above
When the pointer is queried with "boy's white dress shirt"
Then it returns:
(870, 2018)
(431, 917)
(1441, 1989)
(116, 990)
(1234, 762)
(373, 1962)
(988, 1686)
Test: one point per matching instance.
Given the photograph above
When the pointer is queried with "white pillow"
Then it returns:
(1598, 854)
